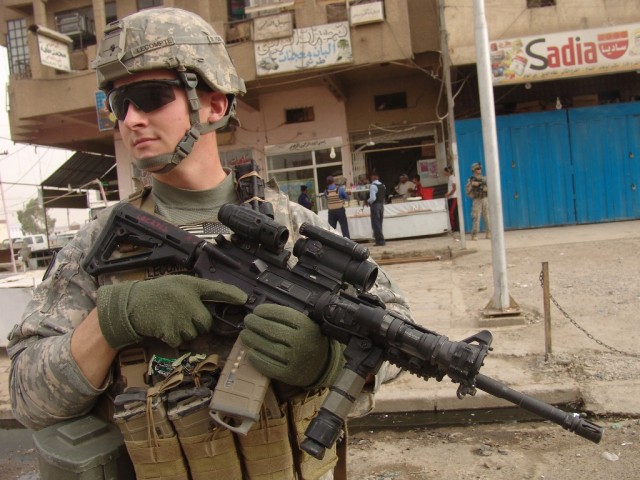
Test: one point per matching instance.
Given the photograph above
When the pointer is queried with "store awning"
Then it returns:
(67, 187)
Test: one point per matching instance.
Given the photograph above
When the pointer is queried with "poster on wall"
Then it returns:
(312, 47)
(429, 171)
(106, 118)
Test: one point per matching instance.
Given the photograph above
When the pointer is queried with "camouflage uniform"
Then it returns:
(46, 384)
(480, 206)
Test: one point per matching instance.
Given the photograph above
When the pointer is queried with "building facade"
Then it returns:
(334, 87)
(342, 87)
(567, 102)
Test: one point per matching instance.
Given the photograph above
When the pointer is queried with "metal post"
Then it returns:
(501, 302)
(446, 67)
(547, 310)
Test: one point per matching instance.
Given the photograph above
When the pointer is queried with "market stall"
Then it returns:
(401, 220)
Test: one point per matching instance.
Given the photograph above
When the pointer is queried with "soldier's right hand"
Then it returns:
(169, 308)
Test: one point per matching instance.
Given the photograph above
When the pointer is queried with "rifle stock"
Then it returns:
(329, 284)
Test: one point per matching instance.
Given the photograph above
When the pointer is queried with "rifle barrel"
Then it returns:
(569, 421)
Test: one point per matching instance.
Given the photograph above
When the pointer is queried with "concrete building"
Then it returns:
(324, 83)
(340, 87)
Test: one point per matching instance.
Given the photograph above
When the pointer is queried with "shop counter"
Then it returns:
(401, 220)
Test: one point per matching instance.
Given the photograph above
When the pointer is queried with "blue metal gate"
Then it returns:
(561, 167)
(606, 159)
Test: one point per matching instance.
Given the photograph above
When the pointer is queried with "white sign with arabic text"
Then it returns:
(312, 47)
(54, 53)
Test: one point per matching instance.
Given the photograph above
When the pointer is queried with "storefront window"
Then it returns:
(310, 168)
(290, 160)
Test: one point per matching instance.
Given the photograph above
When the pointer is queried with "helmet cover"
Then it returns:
(166, 38)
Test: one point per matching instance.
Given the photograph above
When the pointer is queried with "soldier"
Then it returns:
(171, 84)
(476, 189)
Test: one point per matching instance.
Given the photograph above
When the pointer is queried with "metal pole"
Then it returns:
(547, 310)
(446, 67)
(501, 301)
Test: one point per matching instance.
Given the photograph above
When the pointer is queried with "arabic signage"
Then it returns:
(54, 53)
(312, 47)
(566, 54)
(272, 27)
(303, 146)
(367, 13)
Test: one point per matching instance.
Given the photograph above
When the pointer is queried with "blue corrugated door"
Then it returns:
(535, 167)
(605, 151)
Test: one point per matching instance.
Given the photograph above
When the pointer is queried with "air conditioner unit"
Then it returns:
(73, 25)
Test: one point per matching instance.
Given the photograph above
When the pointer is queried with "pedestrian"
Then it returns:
(336, 196)
(477, 190)
(377, 194)
(452, 201)
(417, 186)
(304, 199)
(83, 341)
(404, 187)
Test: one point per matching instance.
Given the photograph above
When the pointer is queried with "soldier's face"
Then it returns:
(156, 132)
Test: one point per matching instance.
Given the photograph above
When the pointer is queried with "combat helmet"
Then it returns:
(171, 38)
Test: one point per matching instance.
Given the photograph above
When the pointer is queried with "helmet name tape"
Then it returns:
(167, 42)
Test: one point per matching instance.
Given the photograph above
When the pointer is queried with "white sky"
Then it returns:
(26, 164)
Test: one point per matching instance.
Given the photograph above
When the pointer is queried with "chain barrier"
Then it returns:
(581, 328)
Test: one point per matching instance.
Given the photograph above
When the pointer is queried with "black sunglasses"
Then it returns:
(146, 96)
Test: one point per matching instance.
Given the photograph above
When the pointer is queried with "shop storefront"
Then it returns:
(306, 163)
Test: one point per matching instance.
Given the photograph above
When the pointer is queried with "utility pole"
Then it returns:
(501, 303)
(446, 67)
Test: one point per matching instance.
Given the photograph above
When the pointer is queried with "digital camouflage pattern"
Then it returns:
(166, 38)
(47, 385)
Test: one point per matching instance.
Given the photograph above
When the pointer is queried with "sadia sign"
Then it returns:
(567, 54)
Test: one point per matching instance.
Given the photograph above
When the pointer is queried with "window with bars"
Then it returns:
(18, 48)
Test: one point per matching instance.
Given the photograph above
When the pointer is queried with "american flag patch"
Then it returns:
(207, 230)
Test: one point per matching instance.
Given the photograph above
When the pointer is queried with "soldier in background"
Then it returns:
(476, 189)
(171, 84)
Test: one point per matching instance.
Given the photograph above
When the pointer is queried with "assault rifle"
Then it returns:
(329, 283)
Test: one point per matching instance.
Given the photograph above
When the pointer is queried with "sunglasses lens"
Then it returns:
(146, 96)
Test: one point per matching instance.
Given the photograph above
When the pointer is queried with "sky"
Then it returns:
(23, 167)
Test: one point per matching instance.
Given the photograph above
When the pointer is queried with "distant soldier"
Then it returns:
(477, 190)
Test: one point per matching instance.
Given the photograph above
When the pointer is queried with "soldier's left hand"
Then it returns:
(288, 346)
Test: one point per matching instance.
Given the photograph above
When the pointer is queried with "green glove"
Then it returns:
(286, 345)
(169, 308)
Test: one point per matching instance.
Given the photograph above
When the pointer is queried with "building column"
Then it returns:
(99, 18)
(39, 18)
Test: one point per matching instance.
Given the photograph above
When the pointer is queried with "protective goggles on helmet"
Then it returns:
(146, 96)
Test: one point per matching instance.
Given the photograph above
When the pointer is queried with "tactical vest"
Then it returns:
(478, 191)
(381, 193)
(166, 423)
(334, 202)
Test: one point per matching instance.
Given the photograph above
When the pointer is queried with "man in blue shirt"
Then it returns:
(377, 194)
(304, 198)
(336, 196)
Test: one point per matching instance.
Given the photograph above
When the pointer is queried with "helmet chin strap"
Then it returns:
(168, 161)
